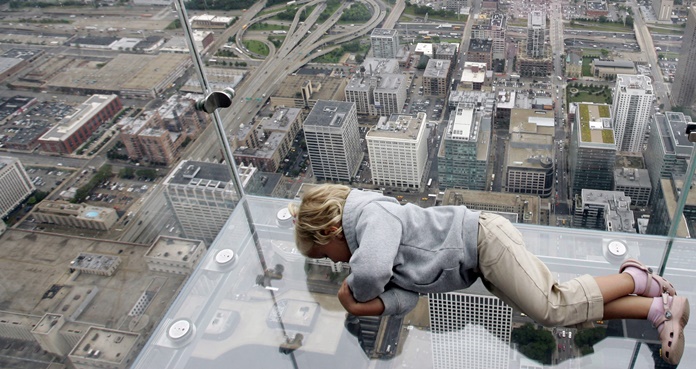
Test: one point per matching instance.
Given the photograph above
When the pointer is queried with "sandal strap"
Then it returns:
(666, 305)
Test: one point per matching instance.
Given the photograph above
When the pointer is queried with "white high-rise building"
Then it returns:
(333, 140)
(385, 42)
(398, 151)
(15, 183)
(469, 331)
(202, 196)
(633, 104)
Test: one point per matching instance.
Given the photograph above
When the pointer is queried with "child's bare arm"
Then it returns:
(372, 308)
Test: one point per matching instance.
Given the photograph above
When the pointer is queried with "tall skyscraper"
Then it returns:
(464, 161)
(202, 196)
(398, 149)
(684, 88)
(633, 104)
(592, 148)
(668, 149)
(536, 33)
(15, 183)
(385, 42)
(333, 140)
(469, 331)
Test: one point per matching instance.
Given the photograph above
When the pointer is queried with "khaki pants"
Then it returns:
(516, 276)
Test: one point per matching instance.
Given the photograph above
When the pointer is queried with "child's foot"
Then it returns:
(646, 282)
(670, 315)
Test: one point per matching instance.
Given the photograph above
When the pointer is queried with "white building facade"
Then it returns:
(398, 151)
(15, 183)
(333, 140)
(469, 331)
(632, 106)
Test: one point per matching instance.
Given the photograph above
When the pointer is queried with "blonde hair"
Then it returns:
(320, 209)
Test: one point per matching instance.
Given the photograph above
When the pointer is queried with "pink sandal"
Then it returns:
(665, 286)
(672, 335)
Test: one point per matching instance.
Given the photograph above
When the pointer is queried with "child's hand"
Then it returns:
(372, 307)
(345, 296)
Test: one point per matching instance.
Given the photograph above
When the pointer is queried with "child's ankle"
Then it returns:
(641, 280)
(657, 311)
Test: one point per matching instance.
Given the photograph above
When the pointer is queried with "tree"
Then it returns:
(536, 344)
(605, 53)
(127, 173)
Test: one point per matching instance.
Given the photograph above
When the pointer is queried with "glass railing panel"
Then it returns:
(271, 308)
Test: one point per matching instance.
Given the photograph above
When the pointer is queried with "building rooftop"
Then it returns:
(595, 123)
(200, 174)
(480, 45)
(329, 113)
(173, 248)
(108, 346)
(437, 68)
(398, 126)
(638, 82)
(383, 32)
(614, 63)
(532, 121)
(474, 72)
(631, 177)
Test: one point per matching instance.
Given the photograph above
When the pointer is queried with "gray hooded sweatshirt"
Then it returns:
(401, 251)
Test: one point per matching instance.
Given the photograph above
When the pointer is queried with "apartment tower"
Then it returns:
(633, 104)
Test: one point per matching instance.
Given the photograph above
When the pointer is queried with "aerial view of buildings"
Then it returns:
(139, 231)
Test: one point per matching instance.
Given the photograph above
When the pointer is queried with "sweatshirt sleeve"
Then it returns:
(398, 301)
(378, 236)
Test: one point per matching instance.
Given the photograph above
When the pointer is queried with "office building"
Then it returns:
(75, 215)
(603, 210)
(436, 77)
(631, 109)
(514, 207)
(469, 331)
(202, 197)
(536, 34)
(390, 94)
(174, 255)
(157, 136)
(529, 165)
(333, 140)
(267, 141)
(101, 347)
(592, 152)
(378, 88)
(665, 205)
(303, 89)
(464, 154)
(15, 183)
(491, 27)
(634, 183)
(447, 51)
(457, 6)
(668, 151)
(398, 150)
(473, 76)
(684, 87)
(385, 43)
(480, 51)
(74, 130)
(663, 9)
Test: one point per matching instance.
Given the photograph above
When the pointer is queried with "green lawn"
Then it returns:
(587, 66)
(589, 26)
(666, 31)
(262, 26)
(256, 47)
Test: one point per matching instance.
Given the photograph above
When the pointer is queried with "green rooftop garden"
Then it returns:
(586, 132)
